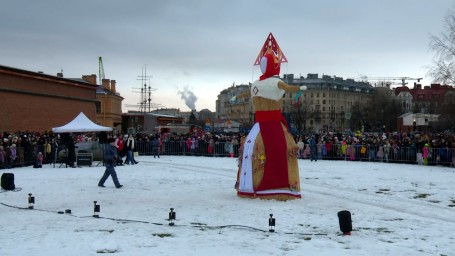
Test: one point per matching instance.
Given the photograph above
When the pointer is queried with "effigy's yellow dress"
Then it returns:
(268, 166)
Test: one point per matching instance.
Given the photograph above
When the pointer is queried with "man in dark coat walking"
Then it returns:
(110, 157)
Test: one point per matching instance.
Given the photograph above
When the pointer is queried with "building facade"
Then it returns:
(324, 106)
(424, 99)
(327, 103)
(33, 101)
(418, 122)
(237, 109)
(108, 102)
(167, 111)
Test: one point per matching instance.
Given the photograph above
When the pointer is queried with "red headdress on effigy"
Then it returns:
(270, 58)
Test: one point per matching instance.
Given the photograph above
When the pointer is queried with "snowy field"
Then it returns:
(396, 209)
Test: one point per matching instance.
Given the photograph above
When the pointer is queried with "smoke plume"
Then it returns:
(189, 98)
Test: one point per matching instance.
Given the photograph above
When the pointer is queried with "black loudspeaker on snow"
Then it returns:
(8, 181)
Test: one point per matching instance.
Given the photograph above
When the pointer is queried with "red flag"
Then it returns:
(270, 45)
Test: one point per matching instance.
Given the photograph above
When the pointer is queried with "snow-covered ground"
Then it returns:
(396, 209)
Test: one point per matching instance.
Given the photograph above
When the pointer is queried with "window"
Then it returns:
(98, 107)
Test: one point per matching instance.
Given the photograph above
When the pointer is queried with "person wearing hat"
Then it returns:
(425, 154)
(110, 156)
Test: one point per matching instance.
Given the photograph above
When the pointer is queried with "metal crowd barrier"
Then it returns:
(408, 155)
(21, 156)
(202, 148)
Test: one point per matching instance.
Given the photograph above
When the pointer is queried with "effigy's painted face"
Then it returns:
(263, 64)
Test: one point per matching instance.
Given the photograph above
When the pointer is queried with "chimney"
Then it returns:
(113, 86)
(89, 78)
(106, 85)
(60, 74)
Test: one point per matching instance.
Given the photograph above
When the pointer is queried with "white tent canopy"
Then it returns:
(81, 124)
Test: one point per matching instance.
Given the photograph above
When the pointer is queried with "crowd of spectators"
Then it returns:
(420, 148)
(24, 148)
(416, 148)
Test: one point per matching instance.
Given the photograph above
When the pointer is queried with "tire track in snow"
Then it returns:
(400, 205)
(197, 168)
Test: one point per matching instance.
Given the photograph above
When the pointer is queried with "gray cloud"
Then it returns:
(216, 42)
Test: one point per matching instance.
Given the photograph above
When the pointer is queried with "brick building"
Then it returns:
(108, 104)
(424, 99)
(35, 101)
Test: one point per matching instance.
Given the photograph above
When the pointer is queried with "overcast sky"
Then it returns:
(206, 46)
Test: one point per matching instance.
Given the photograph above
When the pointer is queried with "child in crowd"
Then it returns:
(425, 154)
(39, 160)
(13, 153)
(2, 158)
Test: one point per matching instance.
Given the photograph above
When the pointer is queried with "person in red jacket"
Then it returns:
(120, 145)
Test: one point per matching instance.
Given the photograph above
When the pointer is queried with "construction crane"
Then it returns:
(100, 71)
(386, 81)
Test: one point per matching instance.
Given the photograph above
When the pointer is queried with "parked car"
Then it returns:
(93, 147)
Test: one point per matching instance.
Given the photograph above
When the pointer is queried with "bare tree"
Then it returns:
(443, 68)
(445, 120)
(359, 117)
(384, 110)
(299, 114)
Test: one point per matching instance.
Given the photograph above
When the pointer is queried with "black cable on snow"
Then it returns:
(200, 226)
